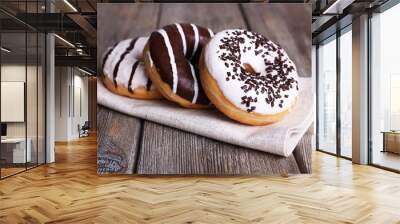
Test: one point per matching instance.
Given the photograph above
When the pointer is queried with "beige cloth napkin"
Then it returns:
(280, 138)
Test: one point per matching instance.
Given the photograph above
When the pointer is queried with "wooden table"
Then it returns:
(391, 141)
(131, 145)
(14, 152)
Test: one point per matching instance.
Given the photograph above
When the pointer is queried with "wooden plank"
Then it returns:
(166, 150)
(128, 21)
(302, 153)
(216, 16)
(119, 134)
(118, 142)
(287, 24)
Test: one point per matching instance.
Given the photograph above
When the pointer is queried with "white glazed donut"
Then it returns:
(124, 72)
(248, 77)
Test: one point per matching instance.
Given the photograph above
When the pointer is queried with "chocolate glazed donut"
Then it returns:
(174, 51)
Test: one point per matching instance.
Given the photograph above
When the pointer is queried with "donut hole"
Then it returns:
(249, 68)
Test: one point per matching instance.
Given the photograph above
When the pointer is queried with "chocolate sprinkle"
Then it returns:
(274, 81)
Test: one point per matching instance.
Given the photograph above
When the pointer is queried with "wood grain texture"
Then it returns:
(288, 24)
(70, 191)
(126, 22)
(216, 16)
(116, 22)
(166, 150)
(118, 142)
(302, 153)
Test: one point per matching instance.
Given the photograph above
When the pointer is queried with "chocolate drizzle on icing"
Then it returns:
(148, 84)
(271, 84)
(134, 67)
(131, 73)
(116, 68)
(175, 50)
(107, 55)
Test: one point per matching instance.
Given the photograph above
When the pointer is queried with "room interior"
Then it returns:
(334, 89)
(22, 101)
(48, 93)
(24, 87)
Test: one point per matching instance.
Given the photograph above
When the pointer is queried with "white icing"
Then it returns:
(171, 59)
(179, 27)
(232, 88)
(114, 56)
(210, 32)
(140, 78)
(150, 59)
(196, 39)
(125, 68)
(195, 84)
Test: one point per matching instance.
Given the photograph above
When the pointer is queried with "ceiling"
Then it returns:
(332, 15)
(72, 20)
(75, 21)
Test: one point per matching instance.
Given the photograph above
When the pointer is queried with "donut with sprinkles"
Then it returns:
(248, 77)
(171, 59)
(123, 70)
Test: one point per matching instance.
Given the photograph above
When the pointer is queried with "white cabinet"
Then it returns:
(19, 155)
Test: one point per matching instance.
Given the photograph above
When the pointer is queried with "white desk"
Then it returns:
(18, 144)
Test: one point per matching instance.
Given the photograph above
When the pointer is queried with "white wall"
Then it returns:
(34, 125)
(12, 73)
(80, 109)
(71, 94)
(62, 81)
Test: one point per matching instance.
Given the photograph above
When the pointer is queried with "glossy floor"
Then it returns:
(387, 159)
(70, 191)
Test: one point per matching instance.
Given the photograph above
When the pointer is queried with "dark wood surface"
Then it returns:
(118, 141)
(165, 150)
(152, 148)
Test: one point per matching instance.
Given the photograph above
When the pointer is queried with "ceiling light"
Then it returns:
(84, 71)
(338, 6)
(79, 51)
(5, 49)
(70, 5)
(65, 41)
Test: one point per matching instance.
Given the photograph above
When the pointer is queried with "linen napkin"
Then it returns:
(279, 138)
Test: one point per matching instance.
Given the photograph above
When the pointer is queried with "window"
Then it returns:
(385, 89)
(326, 125)
(334, 94)
(22, 76)
(346, 92)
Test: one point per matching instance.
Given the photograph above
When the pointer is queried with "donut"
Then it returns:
(124, 73)
(248, 77)
(171, 59)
